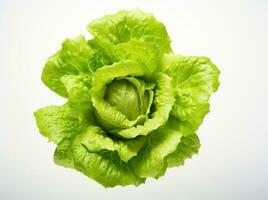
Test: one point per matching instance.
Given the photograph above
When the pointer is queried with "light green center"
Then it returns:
(123, 95)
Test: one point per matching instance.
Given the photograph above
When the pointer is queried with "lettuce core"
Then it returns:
(123, 95)
(133, 107)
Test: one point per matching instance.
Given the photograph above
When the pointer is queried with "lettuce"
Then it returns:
(133, 107)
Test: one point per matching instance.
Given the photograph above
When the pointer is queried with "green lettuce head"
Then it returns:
(133, 107)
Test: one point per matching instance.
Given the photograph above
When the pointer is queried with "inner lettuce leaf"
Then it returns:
(132, 107)
(163, 101)
(107, 115)
(128, 93)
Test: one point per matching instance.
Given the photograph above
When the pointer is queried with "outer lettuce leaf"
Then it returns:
(95, 140)
(145, 53)
(75, 58)
(102, 56)
(194, 80)
(78, 90)
(57, 122)
(105, 167)
(127, 25)
(188, 146)
(63, 155)
(151, 160)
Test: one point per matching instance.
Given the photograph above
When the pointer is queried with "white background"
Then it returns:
(232, 163)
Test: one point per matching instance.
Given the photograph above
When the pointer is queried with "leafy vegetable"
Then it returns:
(133, 107)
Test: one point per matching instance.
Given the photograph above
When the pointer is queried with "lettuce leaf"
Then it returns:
(104, 166)
(161, 143)
(127, 25)
(194, 80)
(188, 146)
(57, 122)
